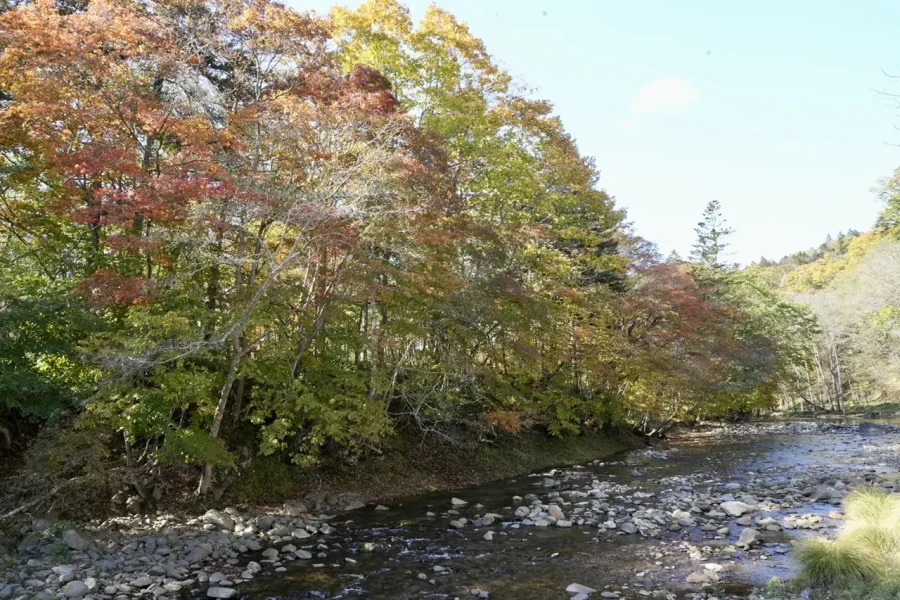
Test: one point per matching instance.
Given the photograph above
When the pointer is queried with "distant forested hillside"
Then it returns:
(852, 284)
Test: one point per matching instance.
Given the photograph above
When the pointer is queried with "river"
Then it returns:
(795, 473)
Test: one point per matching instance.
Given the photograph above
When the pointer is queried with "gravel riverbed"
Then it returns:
(715, 513)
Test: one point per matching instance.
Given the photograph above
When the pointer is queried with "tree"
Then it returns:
(712, 232)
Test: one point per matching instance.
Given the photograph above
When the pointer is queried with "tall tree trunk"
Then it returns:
(224, 393)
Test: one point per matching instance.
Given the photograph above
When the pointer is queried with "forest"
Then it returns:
(228, 228)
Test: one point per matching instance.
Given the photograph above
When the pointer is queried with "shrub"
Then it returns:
(266, 480)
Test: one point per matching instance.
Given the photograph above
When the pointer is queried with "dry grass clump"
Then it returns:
(865, 552)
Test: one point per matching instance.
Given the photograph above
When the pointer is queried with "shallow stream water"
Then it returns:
(401, 553)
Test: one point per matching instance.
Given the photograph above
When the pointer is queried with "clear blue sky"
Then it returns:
(768, 106)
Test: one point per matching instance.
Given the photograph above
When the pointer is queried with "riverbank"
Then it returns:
(408, 467)
(268, 504)
(713, 516)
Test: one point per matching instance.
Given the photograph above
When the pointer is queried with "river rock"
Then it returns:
(75, 589)
(702, 577)
(270, 553)
(198, 553)
(221, 592)
(577, 588)
(134, 505)
(219, 518)
(489, 536)
(735, 508)
(142, 582)
(749, 537)
(457, 502)
(75, 540)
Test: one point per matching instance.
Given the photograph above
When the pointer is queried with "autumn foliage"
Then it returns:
(327, 230)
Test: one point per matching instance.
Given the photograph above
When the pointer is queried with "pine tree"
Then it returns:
(709, 249)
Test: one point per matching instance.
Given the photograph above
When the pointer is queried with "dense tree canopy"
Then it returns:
(227, 224)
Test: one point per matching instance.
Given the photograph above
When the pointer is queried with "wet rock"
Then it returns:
(489, 536)
(749, 537)
(270, 553)
(303, 554)
(381, 507)
(221, 592)
(490, 518)
(457, 502)
(254, 567)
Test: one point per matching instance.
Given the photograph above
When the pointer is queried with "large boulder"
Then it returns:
(219, 518)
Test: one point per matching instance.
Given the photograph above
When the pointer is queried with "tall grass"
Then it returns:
(836, 562)
(866, 552)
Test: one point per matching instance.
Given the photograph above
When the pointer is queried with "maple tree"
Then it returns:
(235, 224)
